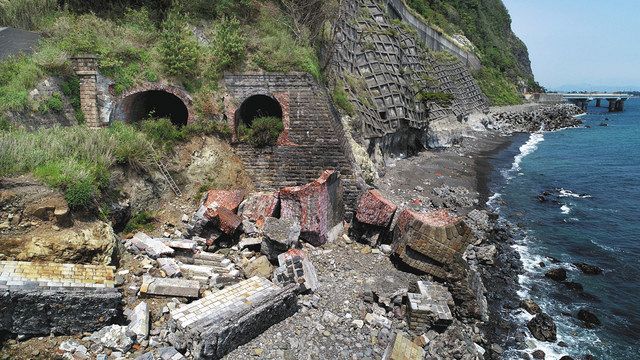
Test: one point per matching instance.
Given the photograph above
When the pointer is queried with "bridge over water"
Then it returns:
(616, 101)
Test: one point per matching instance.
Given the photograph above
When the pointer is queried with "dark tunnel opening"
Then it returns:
(259, 106)
(157, 104)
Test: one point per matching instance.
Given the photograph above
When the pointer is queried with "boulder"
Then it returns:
(317, 206)
(588, 318)
(260, 205)
(279, 236)
(431, 242)
(530, 306)
(258, 267)
(486, 254)
(374, 210)
(538, 354)
(557, 274)
(588, 269)
(572, 285)
(542, 327)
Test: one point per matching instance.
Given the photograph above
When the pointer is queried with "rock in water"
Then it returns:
(530, 306)
(538, 354)
(588, 269)
(588, 318)
(557, 274)
(542, 327)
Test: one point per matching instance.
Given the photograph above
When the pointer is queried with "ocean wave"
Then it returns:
(527, 148)
(565, 209)
(568, 193)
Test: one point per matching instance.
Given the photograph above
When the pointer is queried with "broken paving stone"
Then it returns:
(279, 236)
(139, 321)
(296, 268)
(180, 244)
(114, 337)
(318, 206)
(249, 241)
(217, 324)
(260, 205)
(152, 247)
(170, 287)
(401, 348)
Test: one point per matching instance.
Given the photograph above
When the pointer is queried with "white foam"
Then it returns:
(565, 209)
(569, 193)
(527, 148)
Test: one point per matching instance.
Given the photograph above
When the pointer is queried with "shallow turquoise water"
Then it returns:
(595, 220)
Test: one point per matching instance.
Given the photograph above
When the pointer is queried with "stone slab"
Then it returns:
(211, 327)
(153, 247)
(170, 287)
(401, 348)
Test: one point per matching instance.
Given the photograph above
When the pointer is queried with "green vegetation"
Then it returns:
(499, 90)
(440, 98)
(341, 99)
(52, 104)
(488, 25)
(140, 221)
(179, 49)
(25, 14)
(264, 131)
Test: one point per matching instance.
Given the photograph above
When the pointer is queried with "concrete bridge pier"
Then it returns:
(581, 103)
(616, 105)
(598, 102)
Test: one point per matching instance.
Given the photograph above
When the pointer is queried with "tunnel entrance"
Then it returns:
(155, 103)
(259, 106)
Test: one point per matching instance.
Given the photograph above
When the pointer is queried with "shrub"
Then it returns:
(179, 49)
(18, 75)
(53, 103)
(341, 98)
(441, 98)
(25, 14)
(228, 46)
(497, 87)
(131, 146)
(5, 125)
(207, 127)
(80, 181)
(161, 132)
(140, 221)
(264, 131)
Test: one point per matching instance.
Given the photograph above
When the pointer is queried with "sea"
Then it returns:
(575, 195)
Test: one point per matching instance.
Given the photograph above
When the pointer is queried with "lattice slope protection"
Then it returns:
(384, 67)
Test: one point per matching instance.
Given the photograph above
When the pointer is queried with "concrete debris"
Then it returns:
(114, 337)
(296, 268)
(185, 245)
(431, 242)
(430, 307)
(163, 353)
(170, 287)
(260, 205)
(139, 322)
(374, 210)
(317, 206)
(401, 348)
(258, 267)
(228, 199)
(169, 266)
(154, 248)
(214, 325)
(280, 235)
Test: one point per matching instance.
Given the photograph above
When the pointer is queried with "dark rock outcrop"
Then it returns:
(542, 327)
(588, 269)
(557, 274)
(589, 319)
(530, 306)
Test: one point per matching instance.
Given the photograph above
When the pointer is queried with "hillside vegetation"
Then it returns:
(488, 25)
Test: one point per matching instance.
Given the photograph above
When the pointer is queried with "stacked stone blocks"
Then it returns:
(86, 67)
(430, 307)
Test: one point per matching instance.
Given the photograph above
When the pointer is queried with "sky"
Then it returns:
(580, 44)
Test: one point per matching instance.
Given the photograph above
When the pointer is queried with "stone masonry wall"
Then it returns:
(86, 67)
(314, 139)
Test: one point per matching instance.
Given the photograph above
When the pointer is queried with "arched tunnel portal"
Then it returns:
(259, 106)
(155, 103)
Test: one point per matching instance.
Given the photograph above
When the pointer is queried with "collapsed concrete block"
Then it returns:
(374, 210)
(260, 205)
(170, 287)
(163, 353)
(296, 268)
(152, 247)
(228, 199)
(279, 236)
(430, 242)
(318, 206)
(45, 298)
(185, 245)
(169, 266)
(401, 348)
(228, 221)
(114, 337)
(139, 321)
(430, 308)
(212, 326)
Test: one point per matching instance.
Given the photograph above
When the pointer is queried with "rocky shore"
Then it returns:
(422, 268)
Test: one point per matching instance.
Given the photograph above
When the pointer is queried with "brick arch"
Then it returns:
(232, 108)
(120, 108)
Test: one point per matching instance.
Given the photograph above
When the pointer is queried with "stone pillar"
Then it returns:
(86, 67)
